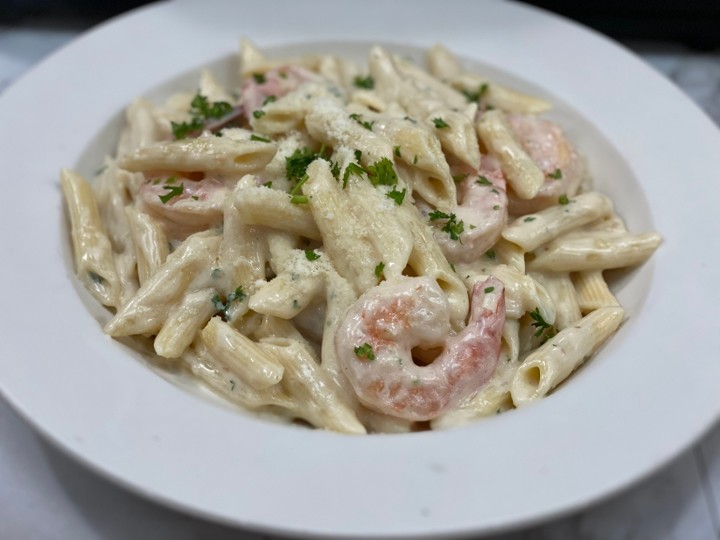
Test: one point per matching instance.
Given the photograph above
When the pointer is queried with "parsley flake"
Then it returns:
(440, 123)
(379, 269)
(311, 255)
(459, 178)
(453, 227)
(382, 173)
(364, 123)
(172, 191)
(365, 351)
(260, 138)
(489, 289)
(364, 82)
(563, 199)
(259, 78)
(259, 113)
(352, 168)
(491, 254)
(269, 99)
(529, 219)
(542, 325)
(397, 196)
(483, 181)
(557, 174)
(396, 151)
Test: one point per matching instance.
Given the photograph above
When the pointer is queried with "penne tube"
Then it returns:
(532, 231)
(592, 291)
(241, 355)
(523, 175)
(562, 354)
(94, 263)
(599, 251)
(209, 154)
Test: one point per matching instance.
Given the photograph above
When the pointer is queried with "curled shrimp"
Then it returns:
(376, 340)
(182, 201)
(545, 143)
(274, 83)
(480, 214)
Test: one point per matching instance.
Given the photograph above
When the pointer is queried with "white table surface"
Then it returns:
(46, 495)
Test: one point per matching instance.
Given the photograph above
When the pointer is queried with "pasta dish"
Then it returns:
(385, 248)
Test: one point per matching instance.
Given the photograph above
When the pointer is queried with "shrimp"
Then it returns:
(182, 201)
(479, 217)
(547, 146)
(375, 346)
(274, 83)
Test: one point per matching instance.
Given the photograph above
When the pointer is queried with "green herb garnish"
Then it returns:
(311, 255)
(440, 123)
(172, 191)
(382, 173)
(364, 82)
(543, 327)
(379, 269)
(364, 123)
(364, 351)
(260, 138)
(397, 196)
(557, 174)
(453, 227)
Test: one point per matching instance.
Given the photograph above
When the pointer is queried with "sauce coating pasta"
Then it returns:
(366, 249)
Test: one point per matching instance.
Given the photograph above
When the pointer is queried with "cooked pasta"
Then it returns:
(363, 249)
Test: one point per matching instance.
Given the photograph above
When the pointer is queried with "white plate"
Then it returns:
(649, 394)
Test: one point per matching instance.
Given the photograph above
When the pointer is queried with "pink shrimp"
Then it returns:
(547, 146)
(482, 210)
(276, 83)
(376, 340)
(182, 201)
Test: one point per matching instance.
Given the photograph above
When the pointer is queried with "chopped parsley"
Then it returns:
(379, 269)
(172, 191)
(529, 219)
(364, 351)
(238, 295)
(453, 227)
(397, 196)
(440, 123)
(260, 138)
(489, 289)
(269, 99)
(259, 78)
(364, 123)
(295, 196)
(459, 178)
(491, 254)
(296, 165)
(396, 151)
(352, 168)
(557, 174)
(382, 173)
(483, 181)
(182, 130)
(496, 207)
(364, 82)
(201, 110)
(563, 199)
(543, 327)
(311, 255)
(475, 96)
(358, 155)
(259, 113)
